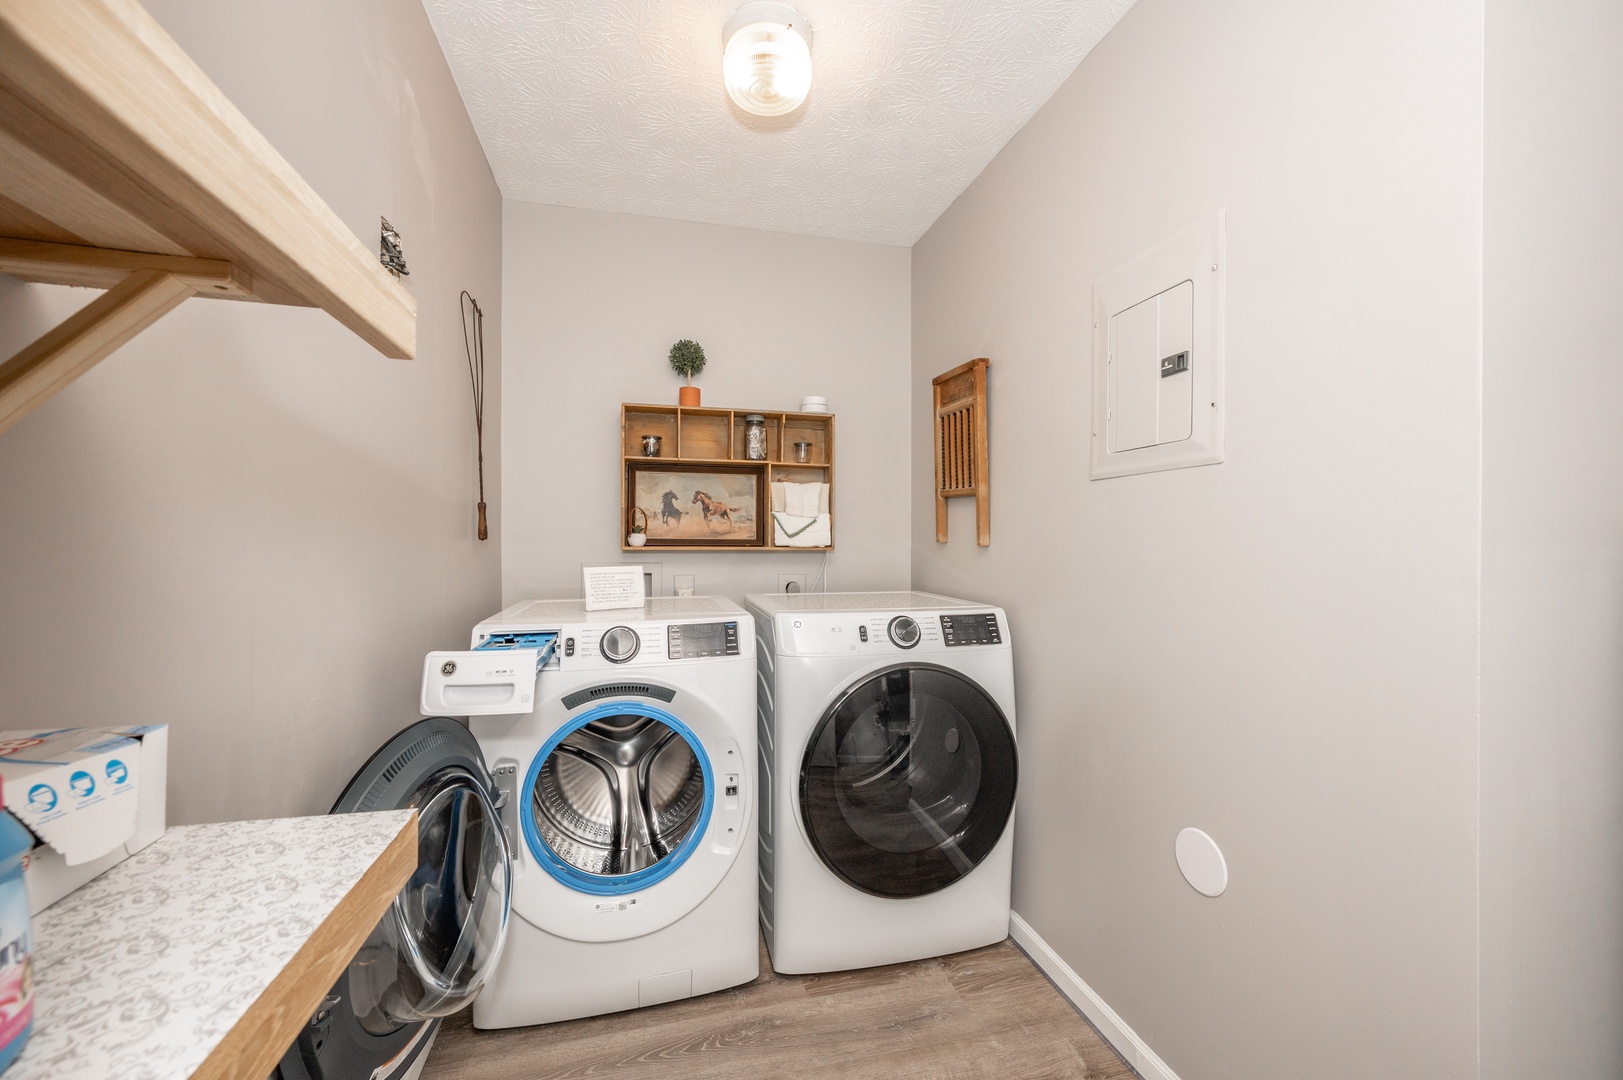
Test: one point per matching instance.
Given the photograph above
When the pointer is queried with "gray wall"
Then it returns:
(594, 301)
(1552, 619)
(1280, 649)
(247, 523)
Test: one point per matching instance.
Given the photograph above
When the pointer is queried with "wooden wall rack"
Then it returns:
(123, 167)
(962, 467)
(699, 437)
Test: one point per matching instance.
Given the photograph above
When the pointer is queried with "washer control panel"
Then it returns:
(978, 629)
(619, 644)
(618, 640)
(688, 641)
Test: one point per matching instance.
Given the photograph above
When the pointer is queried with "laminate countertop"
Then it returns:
(204, 954)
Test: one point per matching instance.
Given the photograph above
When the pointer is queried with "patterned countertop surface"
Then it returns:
(139, 974)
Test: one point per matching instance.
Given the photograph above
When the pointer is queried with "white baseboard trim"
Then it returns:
(1091, 1005)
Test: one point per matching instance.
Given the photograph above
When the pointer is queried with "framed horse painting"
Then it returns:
(699, 505)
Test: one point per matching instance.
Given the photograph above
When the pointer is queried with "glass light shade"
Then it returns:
(767, 64)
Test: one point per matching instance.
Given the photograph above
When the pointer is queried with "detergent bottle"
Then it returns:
(16, 939)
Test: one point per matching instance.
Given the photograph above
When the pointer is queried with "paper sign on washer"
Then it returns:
(610, 587)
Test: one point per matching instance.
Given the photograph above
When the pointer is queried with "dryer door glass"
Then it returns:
(617, 799)
(908, 781)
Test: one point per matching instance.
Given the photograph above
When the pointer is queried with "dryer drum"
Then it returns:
(618, 795)
(908, 781)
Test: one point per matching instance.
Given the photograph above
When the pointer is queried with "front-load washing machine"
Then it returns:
(888, 772)
(626, 767)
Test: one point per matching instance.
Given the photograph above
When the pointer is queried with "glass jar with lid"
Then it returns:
(755, 437)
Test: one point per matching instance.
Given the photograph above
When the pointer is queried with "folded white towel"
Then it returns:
(779, 498)
(790, 530)
(803, 500)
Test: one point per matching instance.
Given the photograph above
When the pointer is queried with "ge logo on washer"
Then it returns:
(117, 771)
(42, 798)
(82, 783)
(448, 668)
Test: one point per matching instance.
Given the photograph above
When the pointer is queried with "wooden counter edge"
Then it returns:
(253, 1046)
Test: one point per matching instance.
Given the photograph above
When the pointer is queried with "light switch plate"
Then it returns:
(1158, 357)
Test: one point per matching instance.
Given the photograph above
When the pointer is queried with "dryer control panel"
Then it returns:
(977, 629)
(886, 633)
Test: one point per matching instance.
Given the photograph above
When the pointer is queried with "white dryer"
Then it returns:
(888, 774)
(628, 795)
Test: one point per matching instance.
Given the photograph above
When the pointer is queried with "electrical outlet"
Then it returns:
(791, 583)
(682, 584)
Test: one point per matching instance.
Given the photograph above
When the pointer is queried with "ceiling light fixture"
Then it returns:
(766, 62)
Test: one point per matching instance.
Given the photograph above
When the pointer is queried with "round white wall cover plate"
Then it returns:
(1202, 863)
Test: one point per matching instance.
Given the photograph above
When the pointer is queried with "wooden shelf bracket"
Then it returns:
(85, 338)
(103, 268)
(962, 468)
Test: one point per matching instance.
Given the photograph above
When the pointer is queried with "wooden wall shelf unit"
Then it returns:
(123, 167)
(698, 437)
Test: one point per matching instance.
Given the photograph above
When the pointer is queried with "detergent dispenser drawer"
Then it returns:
(496, 679)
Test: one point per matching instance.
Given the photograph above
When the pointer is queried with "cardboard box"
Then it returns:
(92, 797)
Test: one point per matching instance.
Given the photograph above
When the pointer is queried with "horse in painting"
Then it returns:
(714, 508)
(668, 510)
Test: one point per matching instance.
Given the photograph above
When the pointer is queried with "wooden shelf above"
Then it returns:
(645, 459)
(742, 548)
(118, 156)
(699, 438)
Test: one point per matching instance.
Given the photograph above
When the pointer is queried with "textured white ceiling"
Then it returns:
(618, 105)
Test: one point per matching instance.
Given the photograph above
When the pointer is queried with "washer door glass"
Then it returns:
(617, 799)
(432, 953)
(908, 781)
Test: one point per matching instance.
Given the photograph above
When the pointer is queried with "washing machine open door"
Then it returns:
(432, 952)
(908, 780)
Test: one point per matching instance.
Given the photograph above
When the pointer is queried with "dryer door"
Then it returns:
(908, 781)
(430, 955)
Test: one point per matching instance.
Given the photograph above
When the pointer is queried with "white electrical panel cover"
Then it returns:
(1158, 357)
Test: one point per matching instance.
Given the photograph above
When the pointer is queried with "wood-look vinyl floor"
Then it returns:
(983, 1014)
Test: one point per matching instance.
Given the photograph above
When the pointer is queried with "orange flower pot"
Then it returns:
(688, 397)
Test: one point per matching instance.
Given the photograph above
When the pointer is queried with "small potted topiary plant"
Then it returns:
(687, 360)
(639, 529)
